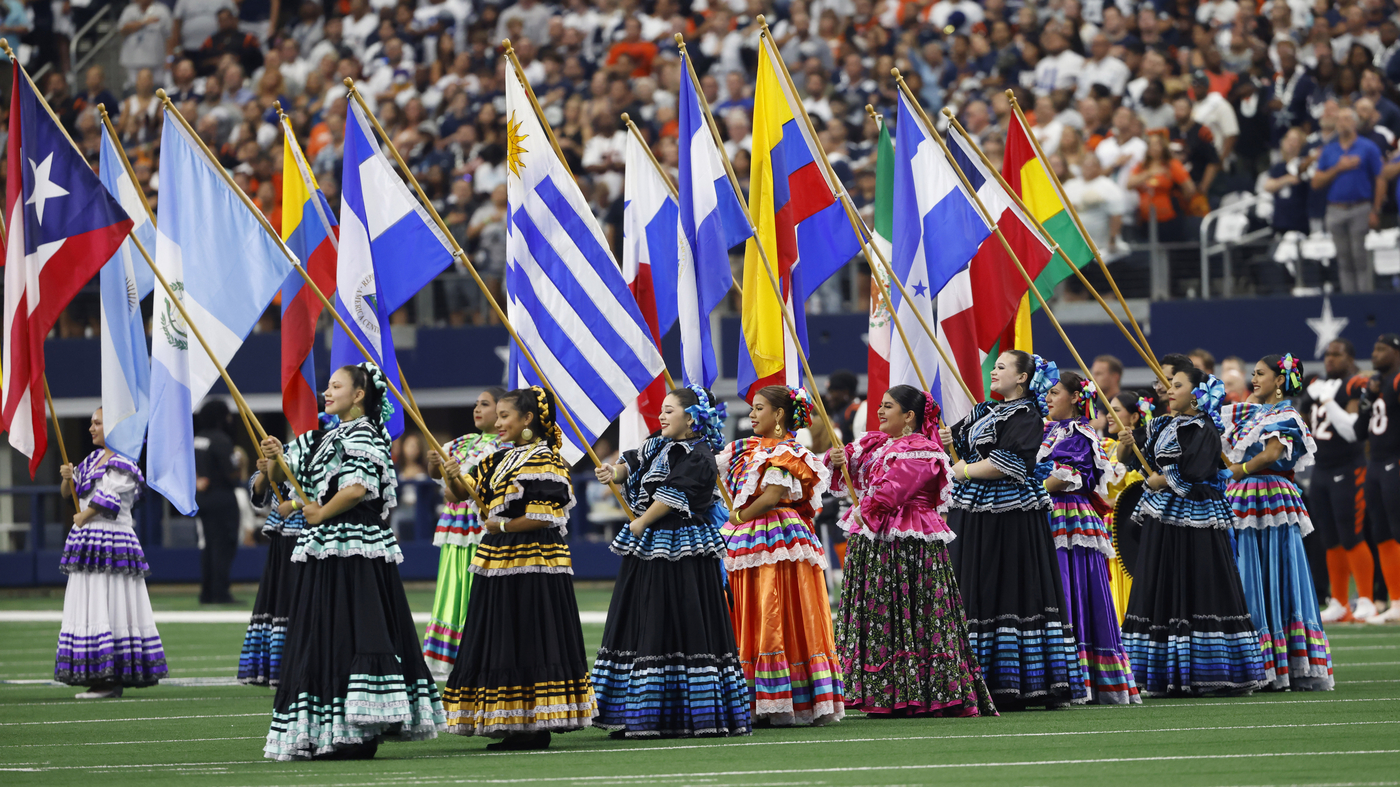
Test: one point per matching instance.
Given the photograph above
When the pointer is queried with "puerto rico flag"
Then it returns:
(63, 227)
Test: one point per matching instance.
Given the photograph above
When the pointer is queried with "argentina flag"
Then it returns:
(567, 297)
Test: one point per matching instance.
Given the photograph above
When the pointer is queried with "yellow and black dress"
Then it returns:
(521, 667)
(1120, 583)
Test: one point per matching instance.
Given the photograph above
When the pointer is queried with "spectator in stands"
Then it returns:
(1164, 189)
(1213, 111)
(1101, 203)
(1287, 182)
(228, 40)
(1373, 88)
(1347, 169)
(95, 92)
(1102, 69)
(15, 24)
(1202, 359)
(1123, 149)
(842, 401)
(145, 28)
(1108, 375)
(193, 21)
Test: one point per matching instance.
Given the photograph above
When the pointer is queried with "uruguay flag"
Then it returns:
(568, 300)
(126, 280)
(937, 230)
(390, 248)
(712, 223)
(225, 268)
(63, 227)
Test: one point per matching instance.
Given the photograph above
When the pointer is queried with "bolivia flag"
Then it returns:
(309, 229)
(881, 320)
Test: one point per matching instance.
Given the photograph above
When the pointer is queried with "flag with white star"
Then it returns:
(63, 226)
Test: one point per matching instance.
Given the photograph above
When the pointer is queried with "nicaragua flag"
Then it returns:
(126, 280)
(568, 300)
(390, 248)
(309, 229)
(937, 230)
(225, 268)
(650, 256)
(712, 223)
(63, 226)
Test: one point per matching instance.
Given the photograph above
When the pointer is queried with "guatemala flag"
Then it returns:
(568, 300)
(389, 250)
(225, 268)
(712, 223)
(126, 281)
(937, 230)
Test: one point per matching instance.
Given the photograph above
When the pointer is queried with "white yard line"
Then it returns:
(124, 721)
(212, 616)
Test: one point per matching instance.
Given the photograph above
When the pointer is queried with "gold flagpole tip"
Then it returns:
(102, 108)
(680, 40)
(350, 83)
(160, 94)
(948, 113)
(761, 21)
(278, 106)
(6, 44)
(894, 72)
(505, 42)
(1011, 94)
(626, 118)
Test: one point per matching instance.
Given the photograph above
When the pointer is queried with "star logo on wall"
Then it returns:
(1327, 327)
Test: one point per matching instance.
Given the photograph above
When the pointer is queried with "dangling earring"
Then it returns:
(527, 435)
(908, 430)
(779, 431)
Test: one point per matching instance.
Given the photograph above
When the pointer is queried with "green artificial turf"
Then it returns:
(212, 735)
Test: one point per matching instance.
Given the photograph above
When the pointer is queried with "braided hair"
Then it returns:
(363, 377)
(795, 403)
(538, 402)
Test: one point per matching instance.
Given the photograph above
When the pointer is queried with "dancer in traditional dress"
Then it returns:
(1077, 474)
(260, 663)
(459, 530)
(1004, 557)
(1188, 629)
(1135, 411)
(352, 670)
(902, 635)
(1267, 440)
(782, 615)
(521, 672)
(668, 665)
(108, 639)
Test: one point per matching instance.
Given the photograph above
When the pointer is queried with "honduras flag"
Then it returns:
(568, 300)
(126, 280)
(712, 222)
(937, 230)
(389, 250)
(225, 268)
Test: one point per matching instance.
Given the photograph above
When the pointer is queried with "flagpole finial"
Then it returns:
(626, 118)
(505, 42)
(947, 113)
(1011, 94)
(680, 41)
(894, 72)
(761, 21)
(9, 52)
(160, 94)
(278, 106)
(349, 83)
(870, 110)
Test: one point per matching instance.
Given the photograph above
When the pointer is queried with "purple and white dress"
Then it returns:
(108, 635)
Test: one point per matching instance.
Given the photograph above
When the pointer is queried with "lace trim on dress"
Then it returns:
(1237, 447)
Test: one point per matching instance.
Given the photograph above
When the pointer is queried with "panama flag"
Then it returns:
(225, 268)
(881, 319)
(937, 230)
(309, 229)
(64, 226)
(390, 248)
(650, 257)
(712, 223)
(126, 280)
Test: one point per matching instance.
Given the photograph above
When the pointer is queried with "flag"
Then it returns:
(800, 224)
(392, 249)
(126, 280)
(309, 229)
(650, 258)
(881, 319)
(569, 302)
(64, 226)
(712, 223)
(936, 233)
(225, 268)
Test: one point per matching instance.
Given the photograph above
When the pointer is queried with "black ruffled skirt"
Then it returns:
(261, 660)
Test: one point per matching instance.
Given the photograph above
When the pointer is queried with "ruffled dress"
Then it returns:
(781, 611)
(1188, 630)
(1072, 452)
(668, 665)
(1270, 523)
(1120, 476)
(108, 634)
(459, 530)
(522, 666)
(260, 663)
(901, 631)
(352, 669)
(1005, 562)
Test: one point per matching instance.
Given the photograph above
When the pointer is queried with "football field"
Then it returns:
(197, 729)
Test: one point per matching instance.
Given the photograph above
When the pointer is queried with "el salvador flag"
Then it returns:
(567, 298)
(126, 280)
(225, 268)
(712, 222)
(937, 231)
(389, 250)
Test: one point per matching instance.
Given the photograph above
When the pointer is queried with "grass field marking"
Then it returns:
(1365, 663)
(129, 700)
(131, 743)
(1367, 647)
(128, 721)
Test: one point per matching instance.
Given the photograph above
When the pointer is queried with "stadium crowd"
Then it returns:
(1152, 112)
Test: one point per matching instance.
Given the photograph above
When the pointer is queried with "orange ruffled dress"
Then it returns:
(781, 612)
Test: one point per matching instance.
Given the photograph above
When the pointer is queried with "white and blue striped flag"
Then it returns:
(390, 248)
(126, 279)
(226, 269)
(712, 223)
(567, 298)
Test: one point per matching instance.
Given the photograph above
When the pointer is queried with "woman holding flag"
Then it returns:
(781, 612)
(458, 533)
(1135, 412)
(1077, 471)
(903, 636)
(1004, 556)
(353, 669)
(668, 665)
(1268, 441)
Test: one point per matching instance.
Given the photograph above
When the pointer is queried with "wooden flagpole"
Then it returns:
(992, 225)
